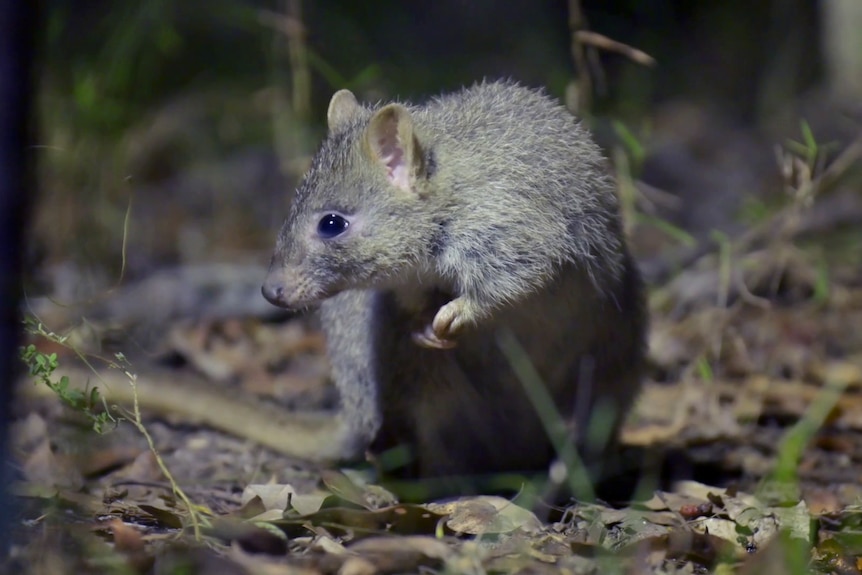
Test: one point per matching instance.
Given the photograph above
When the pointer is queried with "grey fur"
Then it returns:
(510, 219)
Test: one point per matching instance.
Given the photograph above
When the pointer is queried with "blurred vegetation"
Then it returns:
(133, 95)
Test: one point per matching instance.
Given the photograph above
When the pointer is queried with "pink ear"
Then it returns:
(391, 154)
(390, 136)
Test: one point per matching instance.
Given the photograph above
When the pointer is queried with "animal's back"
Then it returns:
(513, 158)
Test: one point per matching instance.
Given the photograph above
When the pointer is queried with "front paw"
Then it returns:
(447, 325)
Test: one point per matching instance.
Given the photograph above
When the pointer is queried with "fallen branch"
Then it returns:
(306, 435)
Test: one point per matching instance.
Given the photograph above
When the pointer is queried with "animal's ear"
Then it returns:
(343, 107)
(392, 143)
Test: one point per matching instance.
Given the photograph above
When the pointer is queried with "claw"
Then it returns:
(427, 338)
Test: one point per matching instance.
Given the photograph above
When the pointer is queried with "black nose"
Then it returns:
(273, 291)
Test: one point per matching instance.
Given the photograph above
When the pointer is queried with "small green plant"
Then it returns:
(90, 402)
(809, 150)
(576, 474)
(634, 150)
(798, 437)
(42, 367)
(628, 158)
(802, 166)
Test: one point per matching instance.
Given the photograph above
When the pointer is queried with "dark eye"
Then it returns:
(331, 225)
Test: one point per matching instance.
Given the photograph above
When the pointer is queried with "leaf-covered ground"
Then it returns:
(752, 400)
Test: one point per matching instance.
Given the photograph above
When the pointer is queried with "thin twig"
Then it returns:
(609, 45)
(298, 53)
(585, 55)
(578, 23)
(290, 24)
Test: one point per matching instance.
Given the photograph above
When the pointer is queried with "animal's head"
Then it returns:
(365, 213)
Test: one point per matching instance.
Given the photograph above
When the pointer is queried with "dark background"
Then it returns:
(197, 119)
(16, 51)
(724, 52)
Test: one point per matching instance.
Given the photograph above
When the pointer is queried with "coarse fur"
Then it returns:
(486, 209)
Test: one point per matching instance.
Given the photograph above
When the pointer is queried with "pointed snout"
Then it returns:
(292, 287)
(273, 289)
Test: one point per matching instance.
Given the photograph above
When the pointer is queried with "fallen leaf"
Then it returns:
(280, 498)
(485, 514)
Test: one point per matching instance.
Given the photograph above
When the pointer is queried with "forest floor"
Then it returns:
(749, 430)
